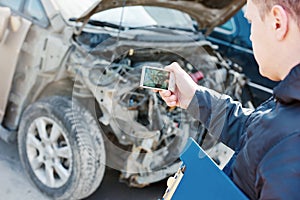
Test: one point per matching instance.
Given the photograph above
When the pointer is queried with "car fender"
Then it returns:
(13, 32)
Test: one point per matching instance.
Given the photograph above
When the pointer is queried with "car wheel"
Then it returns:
(61, 148)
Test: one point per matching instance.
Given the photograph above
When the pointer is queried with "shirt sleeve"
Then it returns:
(224, 118)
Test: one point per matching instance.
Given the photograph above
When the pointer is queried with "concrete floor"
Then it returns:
(14, 184)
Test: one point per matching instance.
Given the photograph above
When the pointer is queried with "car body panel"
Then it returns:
(10, 47)
(36, 50)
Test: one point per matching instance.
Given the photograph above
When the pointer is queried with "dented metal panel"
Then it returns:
(15, 31)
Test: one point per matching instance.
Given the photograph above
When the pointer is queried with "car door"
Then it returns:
(13, 31)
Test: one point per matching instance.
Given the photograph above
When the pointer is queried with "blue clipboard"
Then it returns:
(200, 178)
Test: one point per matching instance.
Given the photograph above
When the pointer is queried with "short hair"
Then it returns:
(290, 6)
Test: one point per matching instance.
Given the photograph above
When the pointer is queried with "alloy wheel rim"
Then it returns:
(49, 152)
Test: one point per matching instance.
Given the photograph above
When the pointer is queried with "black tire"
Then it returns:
(78, 138)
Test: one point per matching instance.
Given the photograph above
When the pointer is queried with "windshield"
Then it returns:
(145, 16)
(130, 16)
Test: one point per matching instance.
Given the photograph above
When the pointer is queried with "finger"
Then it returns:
(172, 104)
(172, 98)
(173, 67)
(171, 101)
(165, 93)
(170, 67)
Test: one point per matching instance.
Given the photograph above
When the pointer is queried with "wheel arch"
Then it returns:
(13, 112)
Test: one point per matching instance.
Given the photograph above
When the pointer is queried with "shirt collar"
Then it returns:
(288, 90)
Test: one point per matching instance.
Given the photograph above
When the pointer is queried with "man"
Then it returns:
(266, 164)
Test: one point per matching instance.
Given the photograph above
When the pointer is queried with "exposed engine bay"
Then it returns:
(144, 136)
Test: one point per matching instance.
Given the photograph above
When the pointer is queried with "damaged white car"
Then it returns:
(70, 92)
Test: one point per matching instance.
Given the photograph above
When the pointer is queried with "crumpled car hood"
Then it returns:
(208, 13)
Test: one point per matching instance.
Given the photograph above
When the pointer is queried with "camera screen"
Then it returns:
(156, 78)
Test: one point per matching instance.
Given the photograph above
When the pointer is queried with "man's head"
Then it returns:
(275, 35)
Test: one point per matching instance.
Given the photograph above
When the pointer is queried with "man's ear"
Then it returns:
(280, 21)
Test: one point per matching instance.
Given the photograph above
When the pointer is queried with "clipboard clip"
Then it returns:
(173, 183)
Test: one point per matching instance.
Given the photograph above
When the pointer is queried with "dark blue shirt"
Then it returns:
(266, 141)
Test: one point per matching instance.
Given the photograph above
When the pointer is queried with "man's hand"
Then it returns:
(185, 88)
